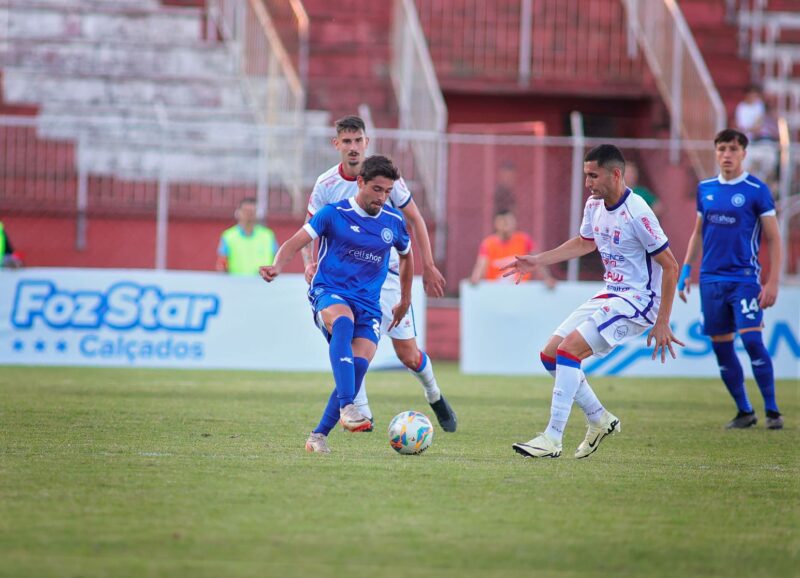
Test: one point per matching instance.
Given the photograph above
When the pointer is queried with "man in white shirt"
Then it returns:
(640, 276)
(338, 183)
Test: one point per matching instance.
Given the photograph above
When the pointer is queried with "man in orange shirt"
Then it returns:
(499, 249)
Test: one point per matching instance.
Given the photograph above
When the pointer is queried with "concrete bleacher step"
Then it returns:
(144, 162)
(145, 113)
(21, 20)
(195, 59)
(34, 86)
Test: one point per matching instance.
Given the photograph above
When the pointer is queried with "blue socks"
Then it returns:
(761, 364)
(732, 375)
(340, 351)
(330, 416)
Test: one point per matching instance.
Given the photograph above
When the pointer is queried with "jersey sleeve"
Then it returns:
(765, 205)
(483, 250)
(317, 199)
(320, 223)
(648, 231)
(586, 225)
(400, 195)
(699, 198)
(402, 241)
(222, 248)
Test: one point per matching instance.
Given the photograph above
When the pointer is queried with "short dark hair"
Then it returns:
(350, 123)
(378, 166)
(247, 201)
(606, 156)
(504, 213)
(730, 135)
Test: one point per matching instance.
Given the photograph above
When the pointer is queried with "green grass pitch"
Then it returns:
(144, 473)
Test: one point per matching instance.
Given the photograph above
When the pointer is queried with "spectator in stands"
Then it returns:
(749, 111)
(632, 180)
(10, 258)
(505, 199)
(763, 152)
(500, 248)
(247, 245)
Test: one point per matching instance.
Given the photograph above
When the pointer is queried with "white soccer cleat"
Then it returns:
(539, 447)
(595, 434)
(317, 443)
(352, 419)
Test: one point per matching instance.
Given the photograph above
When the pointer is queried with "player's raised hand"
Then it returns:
(433, 282)
(520, 266)
(663, 337)
(268, 273)
(398, 312)
(768, 295)
(311, 270)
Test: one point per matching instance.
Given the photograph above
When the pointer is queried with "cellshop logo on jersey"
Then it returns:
(362, 255)
(123, 307)
(724, 219)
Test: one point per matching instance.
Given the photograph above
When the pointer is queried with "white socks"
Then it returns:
(568, 380)
(424, 375)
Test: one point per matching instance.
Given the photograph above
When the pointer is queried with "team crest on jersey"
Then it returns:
(737, 200)
(620, 332)
(387, 235)
(617, 235)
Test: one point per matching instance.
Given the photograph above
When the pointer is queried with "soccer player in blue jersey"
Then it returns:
(356, 237)
(733, 210)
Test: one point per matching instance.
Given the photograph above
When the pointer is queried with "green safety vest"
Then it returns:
(247, 253)
(2, 245)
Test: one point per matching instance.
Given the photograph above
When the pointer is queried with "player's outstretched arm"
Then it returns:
(661, 333)
(406, 279)
(692, 252)
(769, 292)
(285, 254)
(524, 264)
(432, 280)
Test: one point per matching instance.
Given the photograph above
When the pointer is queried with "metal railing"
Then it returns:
(696, 109)
(529, 42)
(185, 176)
(273, 86)
(420, 101)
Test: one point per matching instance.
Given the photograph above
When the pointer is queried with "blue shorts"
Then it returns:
(729, 306)
(367, 321)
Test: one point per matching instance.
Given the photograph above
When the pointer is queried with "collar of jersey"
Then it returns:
(735, 181)
(361, 212)
(619, 203)
(344, 176)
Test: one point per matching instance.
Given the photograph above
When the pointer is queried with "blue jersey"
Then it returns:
(731, 213)
(354, 250)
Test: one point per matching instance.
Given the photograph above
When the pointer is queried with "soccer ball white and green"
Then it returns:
(410, 433)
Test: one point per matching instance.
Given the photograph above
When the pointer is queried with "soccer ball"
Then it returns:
(410, 432)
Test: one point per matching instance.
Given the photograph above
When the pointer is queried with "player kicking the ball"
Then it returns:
(338, 183)
(356, 236)
(640, 276)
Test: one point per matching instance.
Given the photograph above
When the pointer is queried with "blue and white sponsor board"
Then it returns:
(141, 318)
(505, 326)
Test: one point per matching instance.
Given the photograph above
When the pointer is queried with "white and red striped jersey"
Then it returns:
(628, 236)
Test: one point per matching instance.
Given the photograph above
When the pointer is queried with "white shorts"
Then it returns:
(605, 323)
(390, 296)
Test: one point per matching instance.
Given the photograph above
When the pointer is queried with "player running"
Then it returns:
(733, 209)
(338, 183)
(356, 238)
(639, 274)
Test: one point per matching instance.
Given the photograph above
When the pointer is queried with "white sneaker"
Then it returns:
(596, 433)
(539, 447)
(318, 443)
(352, 419)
